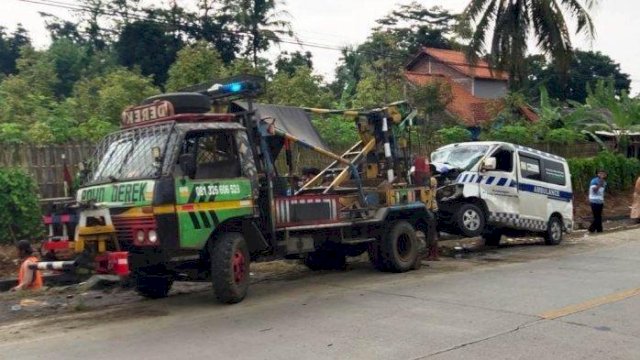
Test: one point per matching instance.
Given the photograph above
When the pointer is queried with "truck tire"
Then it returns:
(553, 235)
(153, 286)
(326, 260)
(399, 247)
(492, 237)
(229, 267)
(469, 220)
(184, 103)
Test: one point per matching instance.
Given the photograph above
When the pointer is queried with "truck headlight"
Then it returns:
(153, 236)
(140, 236)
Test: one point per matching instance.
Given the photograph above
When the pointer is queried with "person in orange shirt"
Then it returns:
(28, 279)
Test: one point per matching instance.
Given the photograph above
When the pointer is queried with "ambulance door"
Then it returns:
(499, 188)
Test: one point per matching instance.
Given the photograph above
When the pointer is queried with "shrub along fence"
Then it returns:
(19, 210)
(622, 171)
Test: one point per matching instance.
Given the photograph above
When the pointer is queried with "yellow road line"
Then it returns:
(589, 304)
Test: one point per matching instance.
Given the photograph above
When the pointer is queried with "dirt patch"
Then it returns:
(617, 206)
(8, 261)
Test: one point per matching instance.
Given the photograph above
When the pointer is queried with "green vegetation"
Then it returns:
(20, 216)
(515, 23)
(453, 134)
(622, 172)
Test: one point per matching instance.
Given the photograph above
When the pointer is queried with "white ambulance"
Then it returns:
(496, 188)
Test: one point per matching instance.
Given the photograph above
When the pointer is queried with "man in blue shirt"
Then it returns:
(596, 199)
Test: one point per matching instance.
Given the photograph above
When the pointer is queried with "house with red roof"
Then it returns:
(476, 88)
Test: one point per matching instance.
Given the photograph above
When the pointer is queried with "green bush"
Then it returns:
(454, 134)
(20, 216)
(337, 132)
(564, 136)
(516, 134)
(622, 171)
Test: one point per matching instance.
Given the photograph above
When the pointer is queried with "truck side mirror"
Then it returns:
(489, 163)
(188, 164)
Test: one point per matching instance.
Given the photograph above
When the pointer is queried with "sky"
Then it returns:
(338, 23)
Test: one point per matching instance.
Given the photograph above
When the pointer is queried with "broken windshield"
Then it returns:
(462, 157)
(127, 155)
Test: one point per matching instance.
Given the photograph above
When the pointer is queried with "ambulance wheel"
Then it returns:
(553, 236)
(229, 267)
(184, 103)
(492, 237)
(470, 220)
(399, 248)
(325, 260)
(153, 286)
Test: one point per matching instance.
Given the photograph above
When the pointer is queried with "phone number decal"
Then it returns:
(223, 189)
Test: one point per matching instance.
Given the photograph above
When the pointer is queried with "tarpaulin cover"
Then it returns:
(292, 120)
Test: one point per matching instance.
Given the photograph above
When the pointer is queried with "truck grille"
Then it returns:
(125, 226)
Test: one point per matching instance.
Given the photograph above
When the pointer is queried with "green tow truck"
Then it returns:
(191, 194)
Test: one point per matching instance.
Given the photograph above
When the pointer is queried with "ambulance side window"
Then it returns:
(554, 173)
(530, 167)
(504, 160)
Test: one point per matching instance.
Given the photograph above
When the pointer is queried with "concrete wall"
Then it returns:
(490, 89)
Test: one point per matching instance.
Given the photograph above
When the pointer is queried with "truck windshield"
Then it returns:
(462, 157)
(129, 154)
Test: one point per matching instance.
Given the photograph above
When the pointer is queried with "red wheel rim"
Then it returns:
(238, 263)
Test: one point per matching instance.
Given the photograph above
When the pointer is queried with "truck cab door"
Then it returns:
(215, 190)
(499, 189)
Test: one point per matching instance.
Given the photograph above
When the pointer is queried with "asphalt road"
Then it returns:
(576, 301)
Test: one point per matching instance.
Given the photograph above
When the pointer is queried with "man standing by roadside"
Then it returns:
(28, 279)
(596, 199)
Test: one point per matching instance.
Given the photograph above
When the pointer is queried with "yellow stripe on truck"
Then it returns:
(216, 205)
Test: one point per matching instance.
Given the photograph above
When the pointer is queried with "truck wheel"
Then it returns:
(326, 260)
(492, 237)
(553, 236)
(470, 220)
(400, 247)
(153, 286)
(229, 267)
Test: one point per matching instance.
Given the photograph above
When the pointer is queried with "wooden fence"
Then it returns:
(45, 163)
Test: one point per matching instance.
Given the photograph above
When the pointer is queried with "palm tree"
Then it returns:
(262, 22)
(515, 21)
(618, 115)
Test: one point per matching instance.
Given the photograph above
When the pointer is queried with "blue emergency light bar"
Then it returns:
(236, 86)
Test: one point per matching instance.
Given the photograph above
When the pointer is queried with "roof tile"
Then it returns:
(458, 60)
